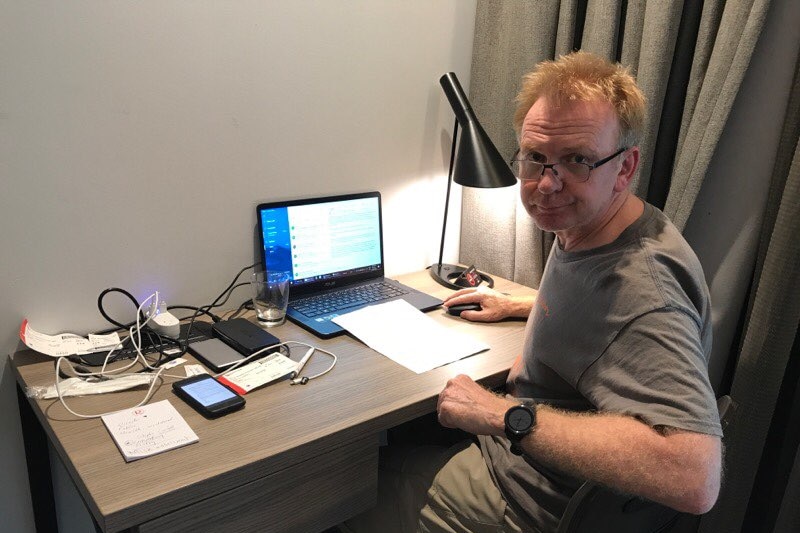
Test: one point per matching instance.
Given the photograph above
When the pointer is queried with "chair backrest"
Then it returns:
(597, 509)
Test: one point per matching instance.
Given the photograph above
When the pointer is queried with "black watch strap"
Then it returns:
(516, 449)
(520, 420)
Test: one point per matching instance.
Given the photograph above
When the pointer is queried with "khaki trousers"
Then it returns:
(433, 489)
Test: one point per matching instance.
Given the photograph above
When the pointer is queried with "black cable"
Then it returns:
(216, 301)
(231, 286)
(162, 356)
(230, 292)
(213, 317)
(183, 345)
(149, 332)
(117, 325)
(112, 330)
(103, 311)
(205, 309)
(246, 305)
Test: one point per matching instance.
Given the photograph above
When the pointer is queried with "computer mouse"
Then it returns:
(456, 310)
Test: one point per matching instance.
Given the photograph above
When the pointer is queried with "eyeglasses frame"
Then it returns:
(552, 166)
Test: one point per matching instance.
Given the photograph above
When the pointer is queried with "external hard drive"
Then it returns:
(215, 354)
(242, 335)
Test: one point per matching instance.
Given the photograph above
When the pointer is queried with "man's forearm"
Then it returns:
(679, 469)
(494, 305)
(520, 306)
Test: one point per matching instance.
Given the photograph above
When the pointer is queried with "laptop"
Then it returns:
(332, 250)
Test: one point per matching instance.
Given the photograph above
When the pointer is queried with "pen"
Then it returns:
(302, 363)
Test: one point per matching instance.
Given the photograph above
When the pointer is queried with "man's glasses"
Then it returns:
(573, 171)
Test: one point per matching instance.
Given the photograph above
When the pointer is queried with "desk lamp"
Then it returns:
(477, 164)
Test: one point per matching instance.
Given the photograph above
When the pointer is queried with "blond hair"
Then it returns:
(586, 77)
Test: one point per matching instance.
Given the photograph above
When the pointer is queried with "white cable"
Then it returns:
(158, 375)
(286, 343)
(333, 363)
(306, 379)
(117, 373)
(243, 361)
(150, 390)
(137, 341)
(130, 338)
(135, 337)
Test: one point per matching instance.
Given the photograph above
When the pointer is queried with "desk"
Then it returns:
(297, 458)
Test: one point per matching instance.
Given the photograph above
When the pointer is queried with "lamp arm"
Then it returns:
(449, 184)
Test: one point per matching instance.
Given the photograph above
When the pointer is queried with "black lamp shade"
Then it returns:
(477, 162)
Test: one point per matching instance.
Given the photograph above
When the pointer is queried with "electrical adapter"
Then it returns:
(165, 323)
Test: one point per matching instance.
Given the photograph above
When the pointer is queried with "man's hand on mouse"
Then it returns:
(494, 304)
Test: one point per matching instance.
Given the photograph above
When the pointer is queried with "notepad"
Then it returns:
(148, 430)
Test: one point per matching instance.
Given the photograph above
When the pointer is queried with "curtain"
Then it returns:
(717, 72)
(765, 381)
(690, 59)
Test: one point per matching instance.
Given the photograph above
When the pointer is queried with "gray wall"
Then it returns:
(136, 139)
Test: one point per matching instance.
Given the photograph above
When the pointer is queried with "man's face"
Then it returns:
(585, 131)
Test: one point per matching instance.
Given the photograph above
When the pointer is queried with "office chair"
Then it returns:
(597, 509)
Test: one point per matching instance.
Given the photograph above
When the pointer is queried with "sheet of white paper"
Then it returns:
(406, 336)
(148, 430)
(194, 370)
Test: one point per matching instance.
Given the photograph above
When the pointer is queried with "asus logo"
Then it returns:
(330, 283)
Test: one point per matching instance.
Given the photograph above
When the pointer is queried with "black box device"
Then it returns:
(243, 336)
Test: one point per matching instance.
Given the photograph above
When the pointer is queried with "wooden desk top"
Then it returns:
(280, 426)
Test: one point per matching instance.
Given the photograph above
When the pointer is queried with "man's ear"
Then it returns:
(630, 162)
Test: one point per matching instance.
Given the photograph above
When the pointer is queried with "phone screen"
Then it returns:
(208, 392)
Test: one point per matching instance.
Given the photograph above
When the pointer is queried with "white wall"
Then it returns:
(136, 139)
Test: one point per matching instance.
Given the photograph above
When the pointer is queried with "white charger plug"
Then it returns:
(165, 322)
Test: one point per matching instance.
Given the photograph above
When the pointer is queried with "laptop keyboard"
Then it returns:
(342, 299)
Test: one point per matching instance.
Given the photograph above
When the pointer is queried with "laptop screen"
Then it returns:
(321, 240)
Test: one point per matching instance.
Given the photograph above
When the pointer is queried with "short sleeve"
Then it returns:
(656, 371)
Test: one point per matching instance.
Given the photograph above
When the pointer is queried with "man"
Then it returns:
(612, 384)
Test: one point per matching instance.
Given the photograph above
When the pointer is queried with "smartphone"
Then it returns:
(208, 396)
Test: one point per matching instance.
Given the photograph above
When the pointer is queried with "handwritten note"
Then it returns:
(148, 430)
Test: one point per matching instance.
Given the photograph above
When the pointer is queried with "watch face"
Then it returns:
(520, 419)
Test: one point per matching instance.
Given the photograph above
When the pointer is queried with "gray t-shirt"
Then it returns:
(622, 328)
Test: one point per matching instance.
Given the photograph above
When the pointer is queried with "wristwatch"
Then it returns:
(520, 420)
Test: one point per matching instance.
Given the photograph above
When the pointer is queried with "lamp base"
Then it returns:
(448, 275)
